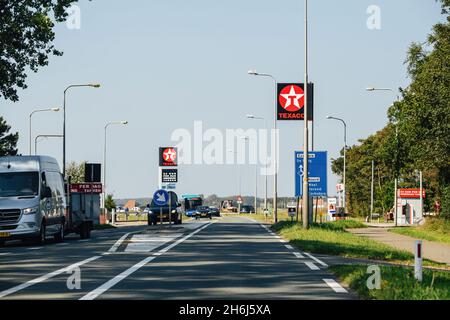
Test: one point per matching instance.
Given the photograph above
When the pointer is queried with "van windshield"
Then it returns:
(19, 184)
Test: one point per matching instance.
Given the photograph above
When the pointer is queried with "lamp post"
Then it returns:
(44, 136)
(250, 116)
(36, 111)
(345, 159)
(372, 89)
(104, 158)
(275, 175)
(64, 118)
(239, 172)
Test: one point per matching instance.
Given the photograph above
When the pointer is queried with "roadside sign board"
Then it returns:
(291, 101)
(169, 175)
(292, 211)
(168, 157)
(86, 188)
(92, 172)
(332, 204)
(317, 174)
(169, 186)
(239, 200)
(410, 193)
(161, 197)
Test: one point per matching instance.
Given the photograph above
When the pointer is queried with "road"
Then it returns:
(227, 258)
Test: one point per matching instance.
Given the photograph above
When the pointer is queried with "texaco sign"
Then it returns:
(291, 101)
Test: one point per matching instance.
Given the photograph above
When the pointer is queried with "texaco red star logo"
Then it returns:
(292, 98)
(170, 155)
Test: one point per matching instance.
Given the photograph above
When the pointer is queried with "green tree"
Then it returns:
(75, 172)
(110, 203)
(26, 36)
(8, 141)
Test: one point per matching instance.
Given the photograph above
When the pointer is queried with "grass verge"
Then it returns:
(332, 239)
(397, 283)
(437, 230)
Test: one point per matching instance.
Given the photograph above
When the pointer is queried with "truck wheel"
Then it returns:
(83, 231)
(60, 235)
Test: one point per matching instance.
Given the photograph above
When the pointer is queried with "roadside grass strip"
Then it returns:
(112, 282)
(46, 277)
(397, 283)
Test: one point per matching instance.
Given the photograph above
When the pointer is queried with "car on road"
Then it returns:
(32, 199)
(167, 213)
(247, 209)
(202, 212)
(215, 212)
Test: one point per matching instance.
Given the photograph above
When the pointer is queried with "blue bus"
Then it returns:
(191, 202)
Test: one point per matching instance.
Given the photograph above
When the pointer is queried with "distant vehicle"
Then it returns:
(247, 209)
(202, 212)
(157, 214)
(228, 206)
(215, 212)
(191, 202)
(32, 199)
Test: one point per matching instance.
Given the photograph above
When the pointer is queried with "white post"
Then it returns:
(372, 191)
(113, 215)
(418, 261)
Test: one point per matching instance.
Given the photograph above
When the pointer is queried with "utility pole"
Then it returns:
(371, 191)
(305, 212)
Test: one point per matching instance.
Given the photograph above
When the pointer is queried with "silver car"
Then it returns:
(32, 198)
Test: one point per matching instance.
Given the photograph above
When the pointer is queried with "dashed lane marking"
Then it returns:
(311, 265)
(112, 282)
(315, 259)
(335, 286)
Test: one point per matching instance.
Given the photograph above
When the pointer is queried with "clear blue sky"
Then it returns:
(165, 63)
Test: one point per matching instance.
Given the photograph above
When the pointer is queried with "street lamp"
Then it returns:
(36, 111)
(345, 158)
(104, 158)
(44, 136)
(371, 89)
(64, 118)
(250, 116)
(275, 176)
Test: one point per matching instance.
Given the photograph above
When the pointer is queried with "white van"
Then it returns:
(32, 198)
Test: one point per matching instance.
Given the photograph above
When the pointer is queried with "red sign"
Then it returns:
(291, 101)
(410, 193)
(86, 188)
(168, 157)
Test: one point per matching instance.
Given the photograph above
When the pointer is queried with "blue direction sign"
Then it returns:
(161, 197)
(317, 172)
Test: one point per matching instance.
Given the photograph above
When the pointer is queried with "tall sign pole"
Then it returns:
(306, 133)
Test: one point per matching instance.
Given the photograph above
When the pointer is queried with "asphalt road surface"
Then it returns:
(226, 258)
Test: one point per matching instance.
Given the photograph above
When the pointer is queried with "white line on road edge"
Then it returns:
(118, 243)
(288, 246)
(311, 265)
(299, 255)
(317, 260)
(45, 277)
(335, 286)
(111, 283)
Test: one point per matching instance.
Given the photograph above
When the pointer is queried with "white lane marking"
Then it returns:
(335, 286)
(315, 259)
(46, 277)
(112, 282)
(63, 244)
(147, 243)
(118, 243)
(311, 265)
(282, 241)
(107, 285)
(86, 240)
(288, 246)
(4, 253)
(36, 248)
(299, 255)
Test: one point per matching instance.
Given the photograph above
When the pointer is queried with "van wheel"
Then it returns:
(60, 235)
(41, 238)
